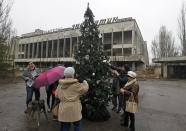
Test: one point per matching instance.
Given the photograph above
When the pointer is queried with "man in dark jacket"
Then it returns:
(115, 92)
(29, 76)
(121, 73)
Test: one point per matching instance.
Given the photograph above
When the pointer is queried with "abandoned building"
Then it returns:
(172, 67)
(121, 38)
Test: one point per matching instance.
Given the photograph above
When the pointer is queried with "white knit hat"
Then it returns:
(69, 72)
(131, 74)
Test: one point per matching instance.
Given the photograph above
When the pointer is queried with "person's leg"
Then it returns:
(123, 115)
(48, 98)
(52, 106)
(29, 92)
(61, 126)
(77, 126)
(66, 126)
(114, 102)
(121, 99)
(124, 105)
(126, 119)
(53, 100)
(37, 93)
(132, 121)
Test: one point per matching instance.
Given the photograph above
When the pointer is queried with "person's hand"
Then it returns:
(27, 78)
(122, 90)
(115, 72)
(108, 62)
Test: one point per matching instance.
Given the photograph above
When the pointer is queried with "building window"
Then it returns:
(39, 50)
(61, 45)
(44, 49)
(49, 49)
(128, 37)
(117, 38)
(127, 51)
(67, 48)
(74, 45)
(107, 38)
(30, 55)
(117, 52)
(26, 51)
(107, 49)
(55, 49)
(19, 48)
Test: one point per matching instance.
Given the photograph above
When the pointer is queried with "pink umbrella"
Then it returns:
(49, 77)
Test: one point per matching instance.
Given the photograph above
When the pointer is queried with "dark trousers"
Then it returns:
(115, 100)
(121, 101)
(66, 126)
(49, 94)
(29, 91)
(129, 116)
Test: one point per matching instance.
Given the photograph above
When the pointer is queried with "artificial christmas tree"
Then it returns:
(91, 66)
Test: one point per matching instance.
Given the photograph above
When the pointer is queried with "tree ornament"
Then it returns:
(86, 29)
(98, 81)
(93, 74)
(86, 18)
(88, 79)
(87, 57)
(77, 62)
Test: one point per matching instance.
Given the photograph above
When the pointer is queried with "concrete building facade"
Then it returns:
(121, 38)
(172, 67)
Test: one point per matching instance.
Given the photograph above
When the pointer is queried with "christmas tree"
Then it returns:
(91, 66)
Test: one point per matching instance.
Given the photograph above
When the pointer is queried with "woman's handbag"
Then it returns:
(131, 105)
(55, 110)
(56, 107)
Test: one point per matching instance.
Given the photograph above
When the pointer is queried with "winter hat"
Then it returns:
(69, 72)
(131, 74)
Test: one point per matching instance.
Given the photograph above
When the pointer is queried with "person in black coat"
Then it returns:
(121, 73)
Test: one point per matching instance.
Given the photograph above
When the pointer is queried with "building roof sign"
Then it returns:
(76, 26)
(105, 21)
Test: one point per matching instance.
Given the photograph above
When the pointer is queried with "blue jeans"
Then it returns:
(66, 126)
(29, 91)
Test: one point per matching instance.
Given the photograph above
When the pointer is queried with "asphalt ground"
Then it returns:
(162, 107)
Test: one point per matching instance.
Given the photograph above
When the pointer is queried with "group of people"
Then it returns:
(68, 90)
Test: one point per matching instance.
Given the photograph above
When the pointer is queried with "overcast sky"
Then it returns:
(29, 15)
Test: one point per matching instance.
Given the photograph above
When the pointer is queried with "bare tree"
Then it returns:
(182, 28)
(5, 33)
(163, 44)
(5, 21)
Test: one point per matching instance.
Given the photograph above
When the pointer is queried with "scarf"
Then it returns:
(130, 83)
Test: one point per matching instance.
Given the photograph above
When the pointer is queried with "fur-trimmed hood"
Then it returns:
(65, 83)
